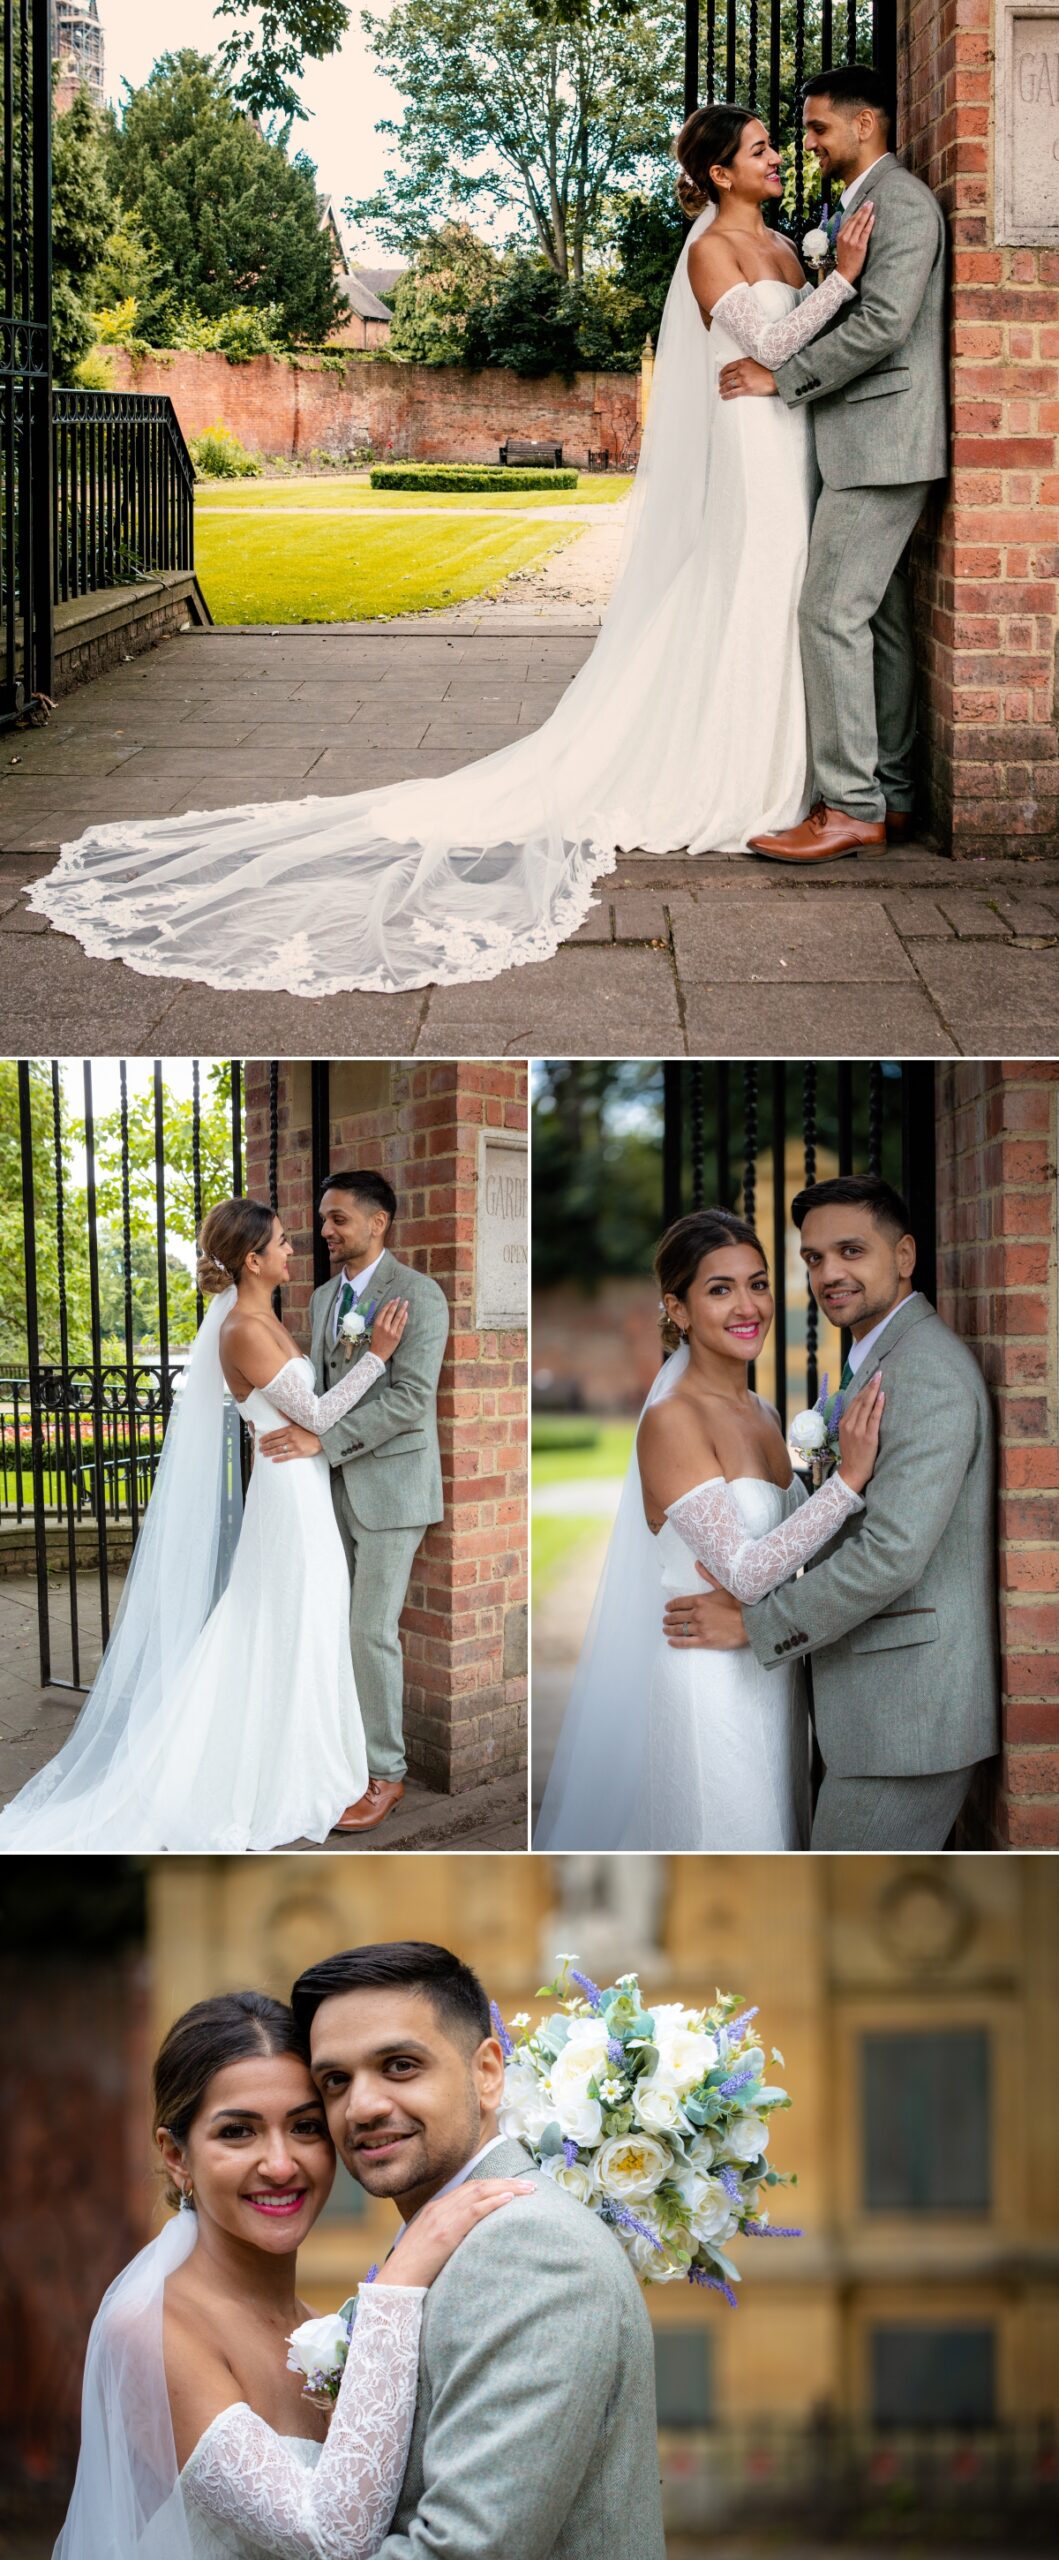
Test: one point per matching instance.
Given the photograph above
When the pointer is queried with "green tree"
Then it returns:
(270, 45)
(645, 238)
(535, 323)
(540, 110)
(82, 216)
(452, 275)
(12, 1231)
(230, 219)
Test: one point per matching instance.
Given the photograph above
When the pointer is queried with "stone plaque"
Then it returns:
(1027, 123)
(502, 1234)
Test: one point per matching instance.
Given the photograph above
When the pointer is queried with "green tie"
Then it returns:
(347, 1298)
(846, 1379)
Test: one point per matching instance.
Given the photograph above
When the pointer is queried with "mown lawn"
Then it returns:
(608, 1454)
(321, 570)
(554, 1546)
(247, 496)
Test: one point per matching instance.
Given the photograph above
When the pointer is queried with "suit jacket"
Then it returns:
(386, 1449)
(535, 2434)
(876, 376)
(899, 1611)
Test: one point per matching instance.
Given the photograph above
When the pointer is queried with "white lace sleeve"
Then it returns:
(711, 1524)
(340, 2509)
(772, 341)
(294, 1396)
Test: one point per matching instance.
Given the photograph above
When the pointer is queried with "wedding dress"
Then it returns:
(689, 1749)
(224, 1716)
(245, 2490)
(685, 729)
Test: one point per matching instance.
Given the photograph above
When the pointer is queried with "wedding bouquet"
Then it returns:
(656, 2118)
(813, 1438)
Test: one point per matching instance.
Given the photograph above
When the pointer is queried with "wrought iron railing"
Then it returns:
(123, 487)
(25, 356)
(826, 2481)
(100, 1433)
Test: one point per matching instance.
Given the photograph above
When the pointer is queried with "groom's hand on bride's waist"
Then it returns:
(746, 374)
(709, 1618)
(292, 1442)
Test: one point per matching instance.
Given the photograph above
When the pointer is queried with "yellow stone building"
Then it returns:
(914, 2003)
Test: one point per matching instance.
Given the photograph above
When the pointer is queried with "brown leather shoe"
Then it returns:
(822, 837)
(900, 825)
(378, 1799)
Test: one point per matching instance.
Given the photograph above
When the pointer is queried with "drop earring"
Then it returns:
(187, 2199)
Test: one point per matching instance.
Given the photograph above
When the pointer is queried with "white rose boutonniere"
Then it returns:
(318, 2351)
(816, 250)
(356, 1326)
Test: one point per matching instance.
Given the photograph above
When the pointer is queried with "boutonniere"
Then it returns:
(813, 1438)
(817, 248)
(356, 1326)
(319, 2348)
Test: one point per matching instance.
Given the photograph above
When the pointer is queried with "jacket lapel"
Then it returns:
(915, 1311)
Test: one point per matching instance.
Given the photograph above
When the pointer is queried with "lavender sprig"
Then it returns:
(739, 2079)
(772, 2231)
(626, 2221)
(713, 2284)
(591, 1990)
(500, 2032)
(569, 2151)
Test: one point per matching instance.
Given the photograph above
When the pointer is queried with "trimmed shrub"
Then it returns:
(218, 455)
(466, 475)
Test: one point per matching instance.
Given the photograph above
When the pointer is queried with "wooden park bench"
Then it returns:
(521, 449)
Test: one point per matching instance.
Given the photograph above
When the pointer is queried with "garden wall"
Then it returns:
(405, 413)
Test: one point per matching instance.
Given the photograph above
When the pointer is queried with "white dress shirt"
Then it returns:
(857, 185)
(860, 1351)
(358, 1281)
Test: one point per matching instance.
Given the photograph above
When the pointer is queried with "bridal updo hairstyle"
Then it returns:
(237, 2026)
(229, 1232)
(710, 139)
(681, 1251)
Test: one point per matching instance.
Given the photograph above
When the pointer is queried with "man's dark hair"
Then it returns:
(856, 1191)
(412, 1964)
(364, 1186)
(851, 84)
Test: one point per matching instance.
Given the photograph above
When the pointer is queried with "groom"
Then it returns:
(899, 1612)
(534, 2434)
(384, 1457)
(874, 383)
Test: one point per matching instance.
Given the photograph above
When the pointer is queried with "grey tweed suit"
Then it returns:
(899, 1612)
(386, 1488)
(535, 2434)
(875, 383)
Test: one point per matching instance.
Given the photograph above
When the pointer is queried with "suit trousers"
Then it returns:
(858, 650)
(889, 1813)
(380, 1562)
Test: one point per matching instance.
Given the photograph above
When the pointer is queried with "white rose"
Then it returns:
(318, 2346)
(816, 247)
(808, 1430)
(525, 2107)
(653, 2266)
(685, 2052)
(658, 2108)
(631, 2166)
(746, 2138)
(582, 2059)
(575, 2180)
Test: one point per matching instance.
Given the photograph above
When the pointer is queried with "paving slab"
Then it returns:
(897, 950)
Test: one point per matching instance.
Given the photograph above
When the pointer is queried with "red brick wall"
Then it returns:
(997, 1125)
(404, 412)
(988, 553)
(78, 2027)
(464, 1627)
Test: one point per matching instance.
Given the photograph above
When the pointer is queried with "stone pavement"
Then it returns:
(899, 954)
(34, 1723)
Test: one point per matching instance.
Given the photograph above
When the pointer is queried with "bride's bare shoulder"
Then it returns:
(793, 270)
(673, 1427)
(714, 266)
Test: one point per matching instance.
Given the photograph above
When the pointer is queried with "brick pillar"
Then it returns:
(987, 561)
(997, 1128)
(464, 1628)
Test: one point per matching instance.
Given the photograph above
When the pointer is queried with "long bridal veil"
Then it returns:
(454, 879)
(594, 1795)
(125, 2501)
(89, 1797)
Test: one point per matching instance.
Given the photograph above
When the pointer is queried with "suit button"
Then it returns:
(777, 1648)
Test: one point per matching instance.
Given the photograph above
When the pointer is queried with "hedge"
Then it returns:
(466, 475)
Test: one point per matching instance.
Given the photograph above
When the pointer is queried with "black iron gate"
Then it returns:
(25, 356)
(745, 1136)
(82, 1420)
(758, 52)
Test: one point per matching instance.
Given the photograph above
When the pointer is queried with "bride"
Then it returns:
(665, 1748)
(685, 729)
(224, 1714)
(196, 2438)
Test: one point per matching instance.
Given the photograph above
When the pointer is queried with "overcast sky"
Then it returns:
(346, 95)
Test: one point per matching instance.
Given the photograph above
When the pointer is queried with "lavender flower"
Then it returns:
(731, 2185)
(615, 2051)
(772, 2231)
(591, 1990)
(569, 2151)
(500, 2032)
(713, 2284)
(739, 2079)
(626, 2221)
(735, 2026)
(371, 2274)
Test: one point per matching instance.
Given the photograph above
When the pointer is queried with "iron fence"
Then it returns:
(838, 2479)
(123, 487)
(758, 52)
(25, 356)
